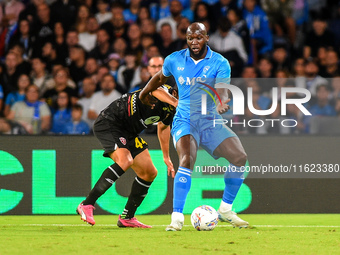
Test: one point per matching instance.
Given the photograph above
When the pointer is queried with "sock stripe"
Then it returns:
(183, 173)
(237, 168)
(185, 169)
(148, 186)
(114, 172)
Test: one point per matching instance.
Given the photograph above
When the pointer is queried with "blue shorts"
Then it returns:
(209, 134)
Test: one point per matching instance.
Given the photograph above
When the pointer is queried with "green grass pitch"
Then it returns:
(269, 234)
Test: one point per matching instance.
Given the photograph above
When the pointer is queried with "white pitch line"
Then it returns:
(113, 225)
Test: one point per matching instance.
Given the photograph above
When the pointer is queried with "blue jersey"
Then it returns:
(129, 17)
(59, 119)
(76, 128)
(14, 97)
(195, 78)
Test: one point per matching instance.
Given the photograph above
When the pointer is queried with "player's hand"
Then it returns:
(170, 166)
(224, 107)
(148, 100)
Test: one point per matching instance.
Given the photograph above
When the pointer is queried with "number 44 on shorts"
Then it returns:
(139, 142)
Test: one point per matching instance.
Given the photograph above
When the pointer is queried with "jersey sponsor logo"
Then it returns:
(180, 68)
(151, 120)
(195, 80)
(178, 132)
(181, 80)
(183, 179)
(122, 140)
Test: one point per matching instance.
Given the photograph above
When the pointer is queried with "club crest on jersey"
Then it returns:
(122, 140)
(181, 80)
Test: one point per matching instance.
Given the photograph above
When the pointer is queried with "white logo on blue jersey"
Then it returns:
(195, 80)
(181, 80)
(205, 69)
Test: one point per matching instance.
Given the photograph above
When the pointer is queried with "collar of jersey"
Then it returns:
(208, 55)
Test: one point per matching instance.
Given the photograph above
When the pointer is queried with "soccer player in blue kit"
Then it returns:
(197, 70)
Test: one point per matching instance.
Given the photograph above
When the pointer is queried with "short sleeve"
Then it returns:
(223, 72)
(93, 103)
(15, 107)
(166, 69)
(44, 110)
(9, 99)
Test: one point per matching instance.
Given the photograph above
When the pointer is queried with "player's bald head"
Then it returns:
(197, 28)
(197, 40)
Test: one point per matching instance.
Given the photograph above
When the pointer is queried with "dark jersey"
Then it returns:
(131, 114)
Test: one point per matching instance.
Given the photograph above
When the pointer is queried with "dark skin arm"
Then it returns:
(156, 81)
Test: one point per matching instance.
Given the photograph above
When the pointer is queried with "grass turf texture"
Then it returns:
(270, 234)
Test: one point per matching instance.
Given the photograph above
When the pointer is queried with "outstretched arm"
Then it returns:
(163, 133)
(156, 81)
(164, 96)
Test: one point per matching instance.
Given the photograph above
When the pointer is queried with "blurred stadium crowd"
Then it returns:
(63, 61)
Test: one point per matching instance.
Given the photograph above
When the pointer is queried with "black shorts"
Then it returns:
(113, 136)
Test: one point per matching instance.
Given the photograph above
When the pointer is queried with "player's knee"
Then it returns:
(240, 159)
(149, 175)
(125, 163)
(152, 174)
(123, 158)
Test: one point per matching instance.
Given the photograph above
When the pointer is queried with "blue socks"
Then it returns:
(182, 184)
(233, 180)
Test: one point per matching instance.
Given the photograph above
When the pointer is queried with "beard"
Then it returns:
(199, 54)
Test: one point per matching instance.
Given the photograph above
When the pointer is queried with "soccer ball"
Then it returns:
(204, 217)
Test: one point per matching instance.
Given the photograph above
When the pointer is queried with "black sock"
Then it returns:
(138, 192)
(109, 176)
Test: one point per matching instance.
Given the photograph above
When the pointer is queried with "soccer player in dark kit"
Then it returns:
(117, 128)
